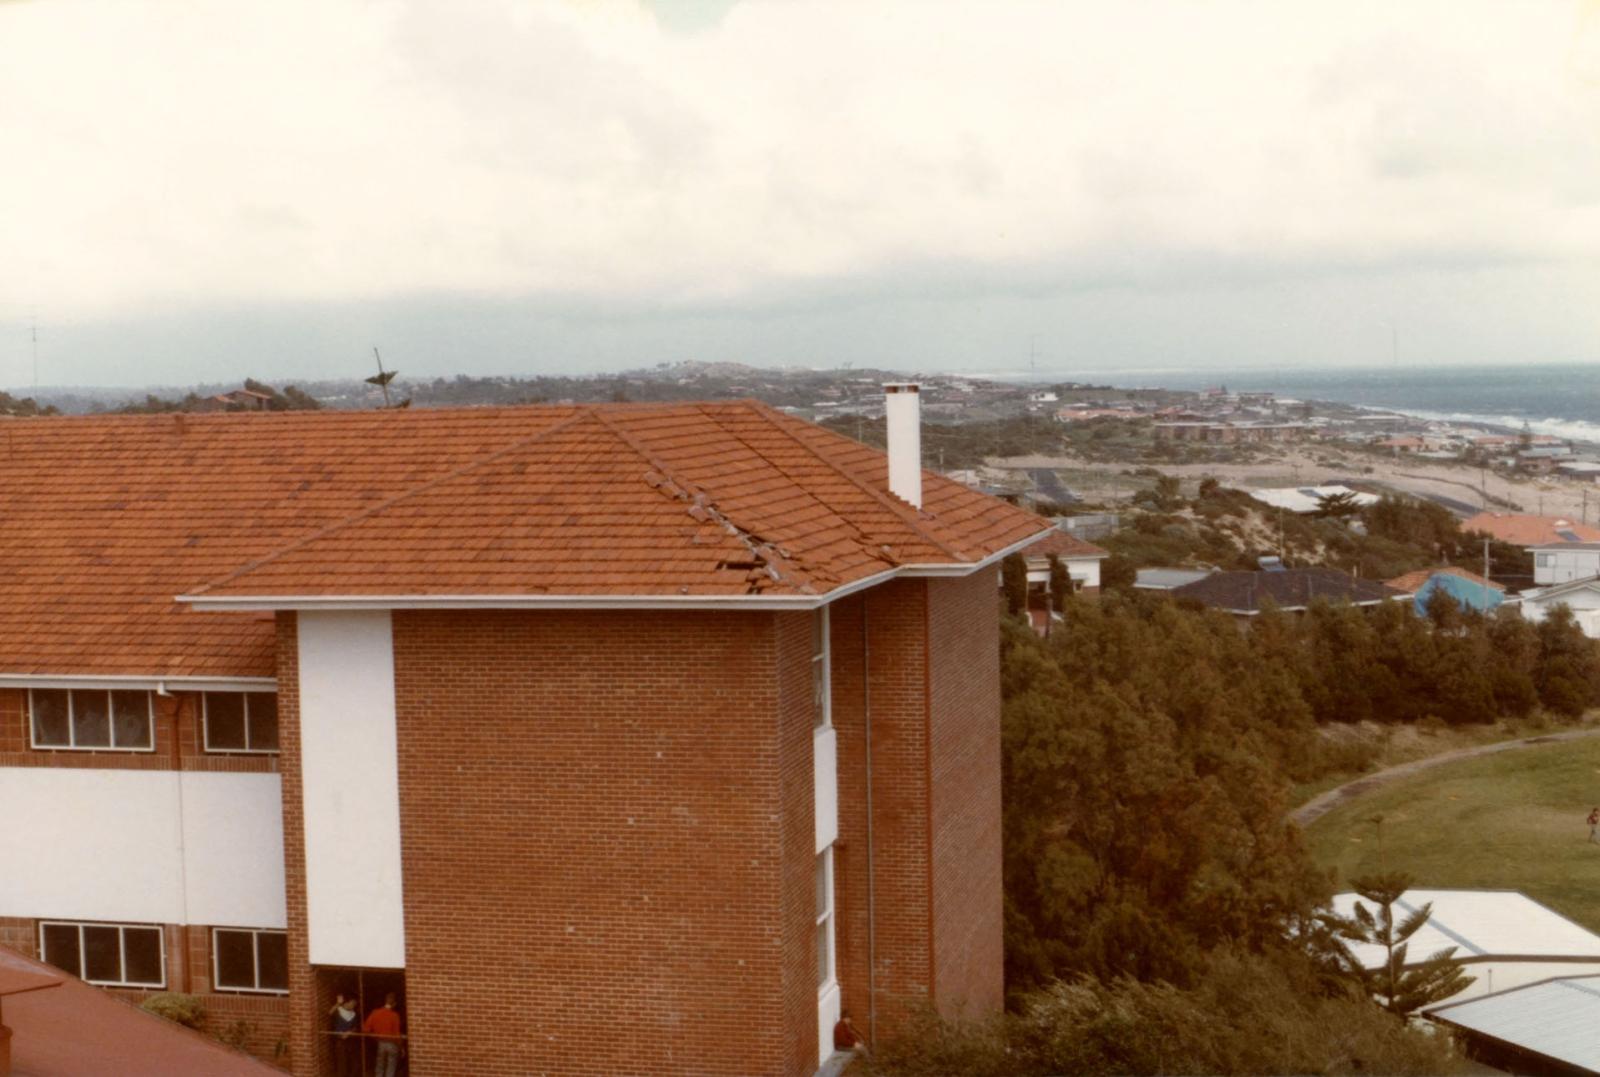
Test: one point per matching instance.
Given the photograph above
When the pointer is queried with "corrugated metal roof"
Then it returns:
(1482, 923)
(1556, 1018)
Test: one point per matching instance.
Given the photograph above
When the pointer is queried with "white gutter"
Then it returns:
(139, 682)
(777, 603)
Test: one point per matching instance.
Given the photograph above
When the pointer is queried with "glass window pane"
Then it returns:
(264, 721)
(130, 719)
(61, 947)
(141, 947)
(50, 720)
(236, 959)
(822, 885)
(225, 721)
(102, 952)
(91, 719)
(272, 955)
(824, 955)
(817, 634)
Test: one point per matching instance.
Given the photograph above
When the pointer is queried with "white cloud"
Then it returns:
(169, 155)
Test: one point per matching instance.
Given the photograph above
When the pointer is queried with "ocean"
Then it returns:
(1558, 399)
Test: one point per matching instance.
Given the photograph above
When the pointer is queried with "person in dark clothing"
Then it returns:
(346, 1048)
(845, 1036)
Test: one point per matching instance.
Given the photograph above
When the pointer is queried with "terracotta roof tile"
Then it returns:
(103, 520)
(1412, 582)
(1064, 544)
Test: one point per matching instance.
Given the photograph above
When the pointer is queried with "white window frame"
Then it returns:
(205, 724)
(822, 672)
(826, 923)
(1545, 560)
(255, 934)
(122, 943)
(149, 718)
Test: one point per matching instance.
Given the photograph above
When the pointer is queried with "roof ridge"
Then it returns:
(579, 413)
(894, 504)
(698, 498)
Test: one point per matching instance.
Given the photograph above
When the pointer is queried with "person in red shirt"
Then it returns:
(845, 1036)
(384, 1024)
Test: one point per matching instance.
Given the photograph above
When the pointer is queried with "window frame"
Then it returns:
(111, 722)
(826, 926)
(255, 934)
(122, 947)
(822, 670)
(205, 724)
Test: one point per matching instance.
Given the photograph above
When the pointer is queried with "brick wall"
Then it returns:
(605, 869)
(305, 1014)
(936, 905)
(179, 742)
(964, 769)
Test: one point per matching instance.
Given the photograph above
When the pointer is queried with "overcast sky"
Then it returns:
(197, 192)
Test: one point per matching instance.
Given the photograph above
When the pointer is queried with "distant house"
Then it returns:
(1308, 499)
(1078, 415)
(1043, 396)
(1467, 588)
(1081, 560)
(1293, 590)
(247, 399)
(1563, 562)
(1231, 432)
(1588, 470)
(1582, 597)
(1166, 579)
(1402, 444)
(1527, 530)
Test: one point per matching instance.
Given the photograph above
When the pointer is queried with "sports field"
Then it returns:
(1512, 821)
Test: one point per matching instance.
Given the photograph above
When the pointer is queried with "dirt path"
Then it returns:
(1320, 805)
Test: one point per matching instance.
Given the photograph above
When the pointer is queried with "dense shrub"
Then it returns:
(186, 1010)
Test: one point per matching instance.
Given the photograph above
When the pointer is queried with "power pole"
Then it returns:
(1486, 558)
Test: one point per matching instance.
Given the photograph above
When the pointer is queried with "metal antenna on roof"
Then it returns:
(382, 378)
(35, 333)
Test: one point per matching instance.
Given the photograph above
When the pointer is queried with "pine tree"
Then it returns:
(1400, 989)
(1014, 575)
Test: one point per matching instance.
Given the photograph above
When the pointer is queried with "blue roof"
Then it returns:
(1468, 595)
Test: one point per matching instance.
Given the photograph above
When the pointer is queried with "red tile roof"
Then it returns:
(1063, 544)
(77, 1029)
(103, 520)
(1530, 530)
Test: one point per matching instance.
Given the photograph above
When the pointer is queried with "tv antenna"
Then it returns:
(34, 334)
(382, 378)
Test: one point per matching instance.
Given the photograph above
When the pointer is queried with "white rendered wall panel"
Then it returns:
(233, 849)
(350, 777)
(154, 846)
(825, 767)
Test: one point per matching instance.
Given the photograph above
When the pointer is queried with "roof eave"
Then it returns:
(257, 603)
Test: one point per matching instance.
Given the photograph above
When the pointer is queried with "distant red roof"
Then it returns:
(1523, 530)
(75, 1030)
(1063, 544)
(108, 518)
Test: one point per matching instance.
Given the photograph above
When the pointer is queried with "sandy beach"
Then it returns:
(1460, 487)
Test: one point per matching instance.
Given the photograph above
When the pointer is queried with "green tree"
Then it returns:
(1400, 987)
(1060, 583)
(1336, 506)
(1014, 577)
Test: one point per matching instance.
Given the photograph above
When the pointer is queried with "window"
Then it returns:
(1545, 559)
(821, 716)
(248, 960)
(241, 721)
(88, 718)
(115, 955)
(825, 919)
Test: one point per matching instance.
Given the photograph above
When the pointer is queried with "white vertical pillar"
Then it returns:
(902, 406)
(351, 790)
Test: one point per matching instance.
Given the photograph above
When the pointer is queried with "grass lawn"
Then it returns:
(1389, 745)
(1512, 821)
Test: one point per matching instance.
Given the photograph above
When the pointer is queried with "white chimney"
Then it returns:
(902, 408)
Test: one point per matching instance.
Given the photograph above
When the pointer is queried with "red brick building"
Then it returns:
(611, 739)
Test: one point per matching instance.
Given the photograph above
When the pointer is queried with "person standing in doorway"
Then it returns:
(384, 1025)
(1594, 824)
(346, 1048)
